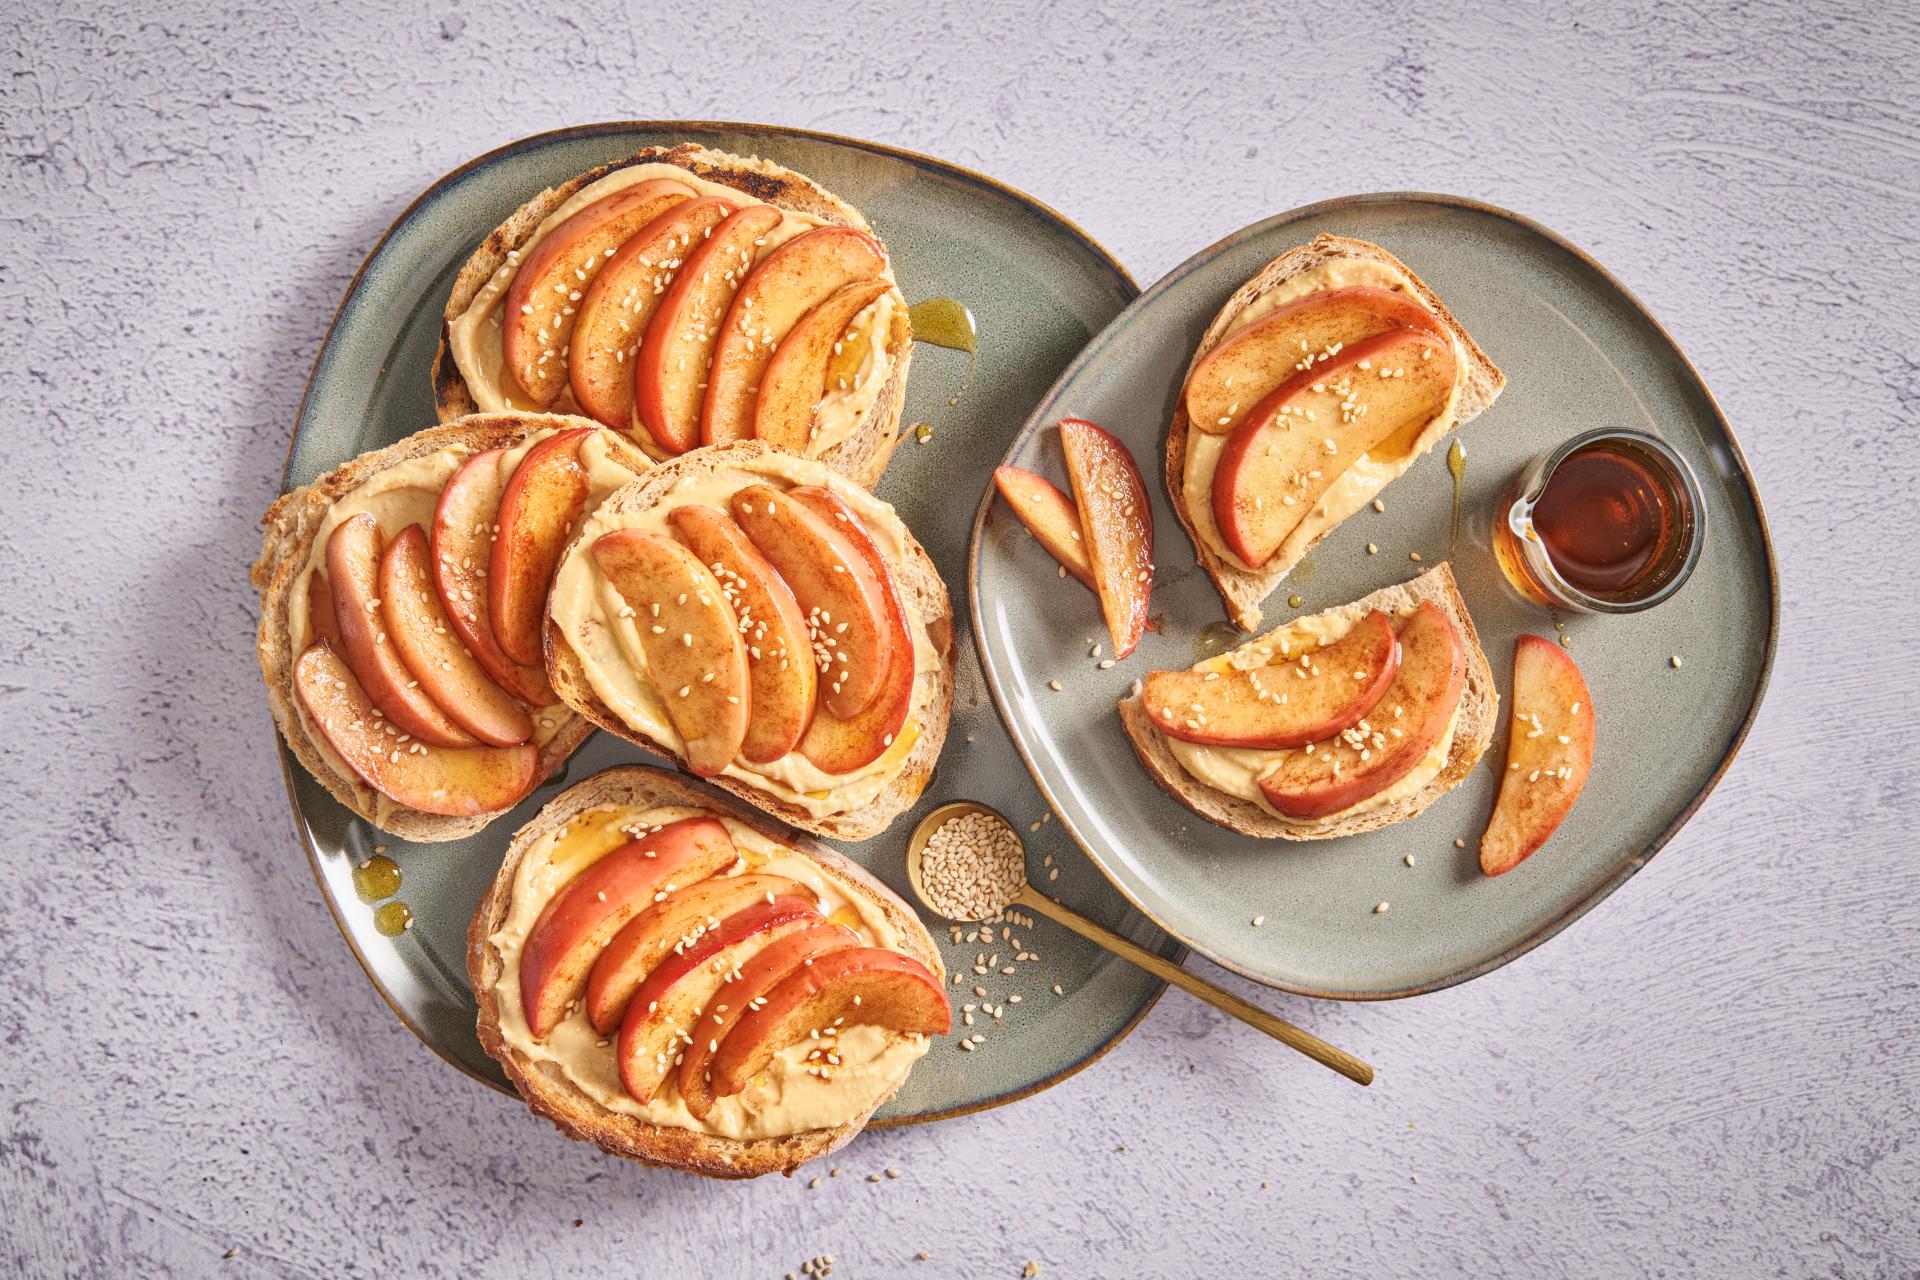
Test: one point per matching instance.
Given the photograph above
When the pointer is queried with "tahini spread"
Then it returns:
(474, 337)
(588, 608)
(1369, 473)
(784, 1099)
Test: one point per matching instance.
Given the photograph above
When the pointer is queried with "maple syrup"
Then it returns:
(376, 878)
(393, 919)
(946, 322)
(1215, 639)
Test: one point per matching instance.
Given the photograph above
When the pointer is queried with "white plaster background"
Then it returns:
(1715, 1073)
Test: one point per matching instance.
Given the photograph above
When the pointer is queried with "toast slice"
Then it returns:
(293, 523)
(1244, 589)
(862, 456)
(920, 588)
(548, 1091)
(1474, 725)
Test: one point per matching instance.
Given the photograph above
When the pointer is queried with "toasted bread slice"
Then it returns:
(920, 588)
(1472, 732)
(292, 524)
(862, 456)
(547, 1090)
(1241, 589)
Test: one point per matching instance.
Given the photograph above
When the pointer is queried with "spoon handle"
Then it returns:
(1225, 1001)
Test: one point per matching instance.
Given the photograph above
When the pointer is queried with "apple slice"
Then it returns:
(462, 544)
(1317, 696)
(418, 629)
(546, 494)
(456, 782)
(670, 383)
(796, 377)
(537, 319)
(353, 571)
(1378, 751)
(855, 986)
(1295, 338)
(1549, 753)
(1294, 444)
(605, 348)
(322, 622)
(1051, 517)
(672, 922)
(1118, 526)
(791, 281)
(770, 966)
(845, 604)
(772, 629)
(574, 927)
(695, 656)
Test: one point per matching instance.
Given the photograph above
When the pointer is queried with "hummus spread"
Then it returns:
(787, 1097)
(474, 338)
(1369, 473)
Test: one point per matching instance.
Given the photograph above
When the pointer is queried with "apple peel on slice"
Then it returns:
(1050, 516)
(462, 544)
(1549, 754)
(796, 377)
(1117, 523)
(545, 495)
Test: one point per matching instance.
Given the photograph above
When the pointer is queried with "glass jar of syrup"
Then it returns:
(1610, 522)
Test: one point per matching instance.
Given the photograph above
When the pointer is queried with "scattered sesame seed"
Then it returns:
(1675, 661)
(1380, 908)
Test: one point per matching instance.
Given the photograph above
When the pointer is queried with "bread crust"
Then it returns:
(547, 1090)
(291, 525)
(862, 456)
(921, 587)
(1478, 717)
(1243, 590)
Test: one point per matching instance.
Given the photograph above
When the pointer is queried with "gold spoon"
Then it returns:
(1225, 1001)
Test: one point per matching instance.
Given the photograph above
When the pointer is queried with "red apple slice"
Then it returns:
(670, 384)
(418, 629)
(353, 571)
(576, 924)
(695, 656)
(537, 319)
(462, 544)
(604, 351)
(1549, 753)
(768, 968)
(788, 283)
(1118, 524)
(546, 494)
(1051, 517)
(1289, 704)
(857, 986)
(1378, 751)
(1296, 338)
(796, 377)
(1298, 441)
(322, 623)
(772, 629)
(456, 782)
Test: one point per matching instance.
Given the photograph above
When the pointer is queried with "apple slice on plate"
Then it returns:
(1286, 704)
(462, 545)
(1050, 516)
(1118, 526)
(796, 377)
(545, 495)
(1549, 753)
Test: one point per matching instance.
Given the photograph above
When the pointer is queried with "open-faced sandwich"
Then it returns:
(767, 623)
(1319, 381)
(668, 974)
(1333, 724)
(689, 297)
(402, 603)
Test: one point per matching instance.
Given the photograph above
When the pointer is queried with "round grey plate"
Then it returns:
(1579, 352)
(1039, 288)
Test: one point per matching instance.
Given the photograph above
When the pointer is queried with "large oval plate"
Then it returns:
(1039, 288)
(1579, 352)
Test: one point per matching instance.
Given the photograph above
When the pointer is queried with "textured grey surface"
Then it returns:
(1714, 1073)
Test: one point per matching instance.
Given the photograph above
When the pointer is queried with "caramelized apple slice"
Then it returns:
(1051, 517)
(1378, 751)
(1296, 338)
(462, 544)
(578, 921)
(788, 283)
(537, 319)
(1118, 524)
(796, 377)
(322, 623)
(456, 782)
(546, 494)
(857, 986)
(1549, 753)
(772, 629)
(1287, 704)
